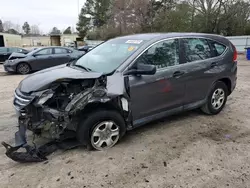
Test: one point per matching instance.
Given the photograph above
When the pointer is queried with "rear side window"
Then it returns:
(197, 49)
(60, 51)
(16, 50)
(218, 48)
(3, 50)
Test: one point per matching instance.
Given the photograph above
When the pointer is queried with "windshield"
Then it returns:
(33, 51)
(109, 56)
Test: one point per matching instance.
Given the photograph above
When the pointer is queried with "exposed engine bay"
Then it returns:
(55, 112)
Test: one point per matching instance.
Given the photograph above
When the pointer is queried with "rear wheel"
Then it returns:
(216, 99)
(101, 129)
(23, 68)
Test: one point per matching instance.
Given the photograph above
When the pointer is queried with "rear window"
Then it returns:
(3, 50)
(16, 50)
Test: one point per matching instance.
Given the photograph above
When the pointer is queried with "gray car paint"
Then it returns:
(149, 97)
(198, 76)
(45, 78)
(42, 61)
(17, 55)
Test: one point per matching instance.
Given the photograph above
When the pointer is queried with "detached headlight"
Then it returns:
(99, 93)
(43, 96)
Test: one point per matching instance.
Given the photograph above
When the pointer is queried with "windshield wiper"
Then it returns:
(82, 67)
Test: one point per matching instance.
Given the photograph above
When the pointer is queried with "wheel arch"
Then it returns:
(228, 83)
(91, 107)
(224, 80)
(21, 63)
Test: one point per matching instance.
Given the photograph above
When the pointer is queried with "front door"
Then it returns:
(42, 59)
(152, 95)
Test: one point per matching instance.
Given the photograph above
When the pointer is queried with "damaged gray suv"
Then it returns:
(121, 84)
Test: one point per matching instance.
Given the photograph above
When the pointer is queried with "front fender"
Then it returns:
(115, 92)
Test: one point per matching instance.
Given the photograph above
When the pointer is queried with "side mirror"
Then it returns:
(141, 69)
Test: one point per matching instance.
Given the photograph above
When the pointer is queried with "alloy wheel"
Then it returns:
(105, 135)
(218, 98)
(23, 68)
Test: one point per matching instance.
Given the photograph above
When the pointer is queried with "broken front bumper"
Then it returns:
(40, 119)
(32, 154)
(29, 117)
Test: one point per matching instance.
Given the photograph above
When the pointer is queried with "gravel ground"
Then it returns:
(188, 150)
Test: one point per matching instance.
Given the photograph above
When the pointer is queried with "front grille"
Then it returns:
(21, 100)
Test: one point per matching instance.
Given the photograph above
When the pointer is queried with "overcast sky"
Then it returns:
(45, 13)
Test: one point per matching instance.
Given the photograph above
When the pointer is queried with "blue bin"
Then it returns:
(248, 53)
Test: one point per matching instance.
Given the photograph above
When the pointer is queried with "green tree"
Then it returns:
(1, 26)
(101, 12)
(84, 20)
(67, 31)
(55, 31)
(235, 19)
(94, 14)
(26, 28)
(101, 19)
(83, 25)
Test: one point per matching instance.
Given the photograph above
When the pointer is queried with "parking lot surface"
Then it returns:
(187, 150)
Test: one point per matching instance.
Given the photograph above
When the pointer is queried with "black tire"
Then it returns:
(208, 108)
(91, 121)
(23, 68)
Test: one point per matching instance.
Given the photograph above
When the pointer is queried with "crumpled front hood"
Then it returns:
(42, 79)
(16, 55)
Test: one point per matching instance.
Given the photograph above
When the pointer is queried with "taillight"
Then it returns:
(235, 53)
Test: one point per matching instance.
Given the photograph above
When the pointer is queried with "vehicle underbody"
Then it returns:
(55, 113)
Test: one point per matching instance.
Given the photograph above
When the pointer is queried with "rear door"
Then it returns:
(201, 67)
(153, 95)
(61, 56)
(42, 59)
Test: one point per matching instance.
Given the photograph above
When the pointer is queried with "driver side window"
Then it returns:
(46, 51)
(163, 54)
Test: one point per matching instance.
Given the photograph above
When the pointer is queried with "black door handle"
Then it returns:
(178, 74)
(214, 64)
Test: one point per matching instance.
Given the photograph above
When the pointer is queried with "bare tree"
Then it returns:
(17, 28)
(129, 15)
(34, 29)
(227, 17)
(7, 25)
(1, 26)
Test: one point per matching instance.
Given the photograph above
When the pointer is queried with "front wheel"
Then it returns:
(101, 129)
(23, 68)
(216, 99)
